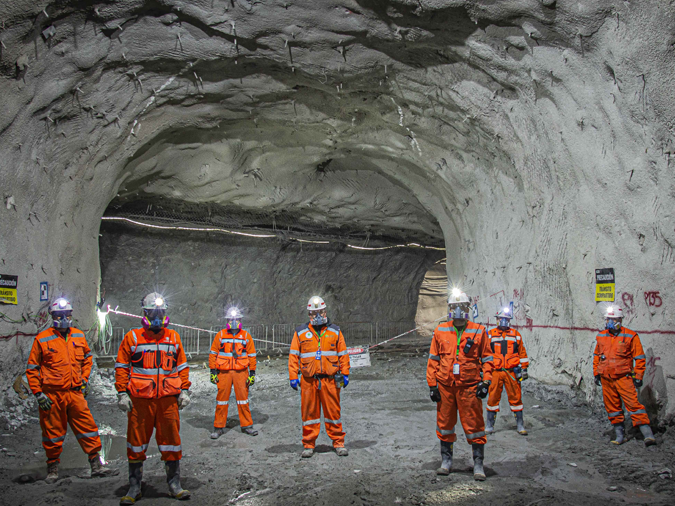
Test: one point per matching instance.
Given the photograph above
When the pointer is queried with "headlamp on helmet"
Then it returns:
(62, 313)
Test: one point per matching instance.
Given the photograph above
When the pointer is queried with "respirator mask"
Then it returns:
(613, 324)
(155, 319)
(317, 318)
(62, 319)
(234, 324)
(458, 312)
(504, 323)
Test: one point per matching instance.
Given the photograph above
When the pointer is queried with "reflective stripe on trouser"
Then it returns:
(614, 390)
(313, 402)
(69, 407)
(226, 379)
(161, 415)
(506, 380)
(470, 407)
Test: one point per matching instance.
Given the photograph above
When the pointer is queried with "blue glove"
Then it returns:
(346, 381)
(295, 384)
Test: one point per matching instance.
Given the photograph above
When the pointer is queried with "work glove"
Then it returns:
(44, 402)
(214, 376)
(345, 380)
(183, 399)
(637, 382)
(598, 380)
(251, 379)
(434, 394)
(482, 389)
(124, 402)
(525, 375)
(295, 384)
(84, 388)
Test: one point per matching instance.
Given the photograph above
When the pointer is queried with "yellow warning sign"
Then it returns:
(604, 292)
(8, 289)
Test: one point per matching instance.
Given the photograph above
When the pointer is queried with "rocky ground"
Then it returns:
(565, 459)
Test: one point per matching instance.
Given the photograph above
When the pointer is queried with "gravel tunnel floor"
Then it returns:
(394, 452)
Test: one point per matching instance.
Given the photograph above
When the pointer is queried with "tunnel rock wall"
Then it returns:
(201, 275)
(537, 134)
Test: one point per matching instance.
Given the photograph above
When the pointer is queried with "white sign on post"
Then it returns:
(359, 357)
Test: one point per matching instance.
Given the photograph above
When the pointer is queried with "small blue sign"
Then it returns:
(44, 291)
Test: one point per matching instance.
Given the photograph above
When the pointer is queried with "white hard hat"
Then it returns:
(458, 297)
(60, 304)
(234, 313)
(613, 312)
(316, 303)
(505, 312)
(154, 300)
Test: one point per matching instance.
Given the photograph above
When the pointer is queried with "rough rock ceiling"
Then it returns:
(533, 137)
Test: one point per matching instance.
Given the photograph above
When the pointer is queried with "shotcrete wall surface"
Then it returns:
(201, 275)
(537, 135)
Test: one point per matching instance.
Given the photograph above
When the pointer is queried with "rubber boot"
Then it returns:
(446, 459)
(648, 435)
(97, 469)
(307, 453)
(341, 451)
(520, 425)
(478, 455)
(620, 433)
(249, 431)
(172, 468)
(490, 424)
(217, 432)
(52, 473)
(135, 479)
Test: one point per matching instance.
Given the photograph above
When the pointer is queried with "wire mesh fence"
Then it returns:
(265, 336)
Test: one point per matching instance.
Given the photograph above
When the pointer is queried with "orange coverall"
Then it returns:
(57, 367)
(232, 356)
(456, 374)
(317, 383)
(508, 351)
(153, 369)
(613, 361)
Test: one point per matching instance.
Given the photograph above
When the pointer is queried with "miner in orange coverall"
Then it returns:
(319, 352)
(232, 362)
(58, 374)
(510, 368)
(616, 349)
(151, 378)
(459, 371)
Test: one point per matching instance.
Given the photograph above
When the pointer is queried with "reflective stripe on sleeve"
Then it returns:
(294, 352)
(310, 422)
(434, 357)
(488, 359)
(120, 365)
(90, 354)
(341, 353)
(86, 434)
(445, 432)
(182, 366)
(32, 366)
(640, 357)
(169, 448)
(252, 354)
(213, 352)
(523, 360)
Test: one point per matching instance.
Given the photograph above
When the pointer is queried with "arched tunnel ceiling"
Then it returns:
(532, 137)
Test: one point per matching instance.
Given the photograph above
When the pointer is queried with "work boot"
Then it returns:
(172, 468)
(52, 473)
(98, 470)
(249, 431)
(520, 425)
(648, 435)
(307, 453)
(446, 459)
(135, 479)
(478, 455)
(341, 451)
(620, 433)
(217, 432)
(490, 424)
